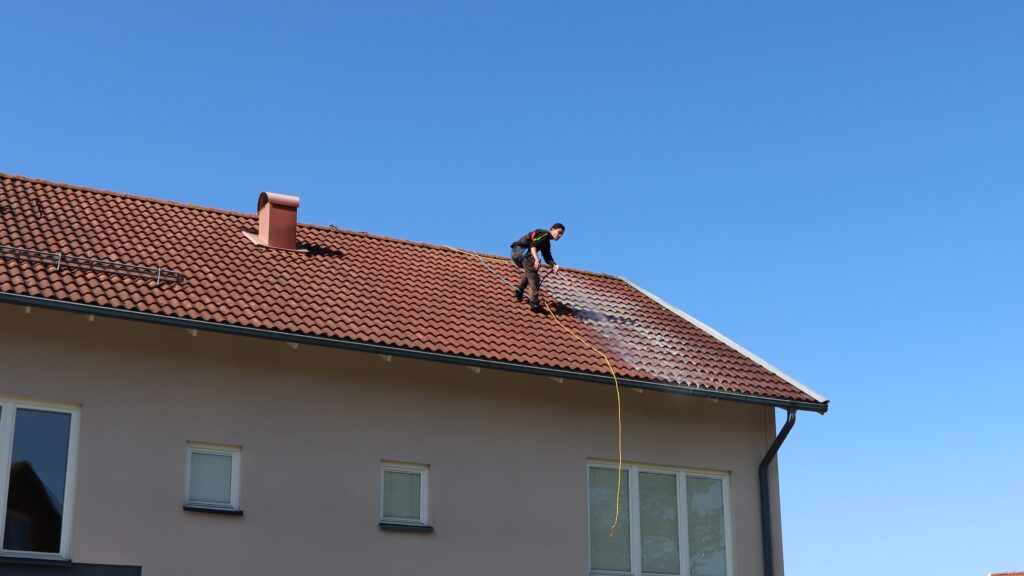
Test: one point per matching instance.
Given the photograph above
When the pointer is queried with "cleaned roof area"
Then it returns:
(129, 253)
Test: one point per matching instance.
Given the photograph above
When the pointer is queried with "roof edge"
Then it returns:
(728, 342)
(68, 306)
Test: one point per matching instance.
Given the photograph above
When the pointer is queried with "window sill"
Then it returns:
(27, 560)
(223, 511)
(397, 527)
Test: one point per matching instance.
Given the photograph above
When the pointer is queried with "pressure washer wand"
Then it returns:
(559, 274)
(567, 281)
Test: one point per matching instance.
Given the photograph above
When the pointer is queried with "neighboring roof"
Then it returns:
(356, 289)
(1007, 574)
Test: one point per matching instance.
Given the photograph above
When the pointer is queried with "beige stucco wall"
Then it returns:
(507, 452)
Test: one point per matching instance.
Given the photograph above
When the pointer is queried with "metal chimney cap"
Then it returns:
(276, 199)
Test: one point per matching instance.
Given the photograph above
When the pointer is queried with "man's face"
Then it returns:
(556, 233)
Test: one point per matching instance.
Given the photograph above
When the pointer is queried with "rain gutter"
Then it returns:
(49, 303)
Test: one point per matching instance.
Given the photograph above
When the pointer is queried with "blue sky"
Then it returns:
(837, 186)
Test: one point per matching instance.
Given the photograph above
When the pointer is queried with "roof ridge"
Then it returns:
(329, 227)
(123, 195)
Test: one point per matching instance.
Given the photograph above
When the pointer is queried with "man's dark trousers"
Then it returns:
(530, 276)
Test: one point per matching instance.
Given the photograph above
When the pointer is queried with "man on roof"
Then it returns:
(525, 255)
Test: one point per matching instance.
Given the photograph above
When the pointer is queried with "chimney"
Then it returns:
(277, 213)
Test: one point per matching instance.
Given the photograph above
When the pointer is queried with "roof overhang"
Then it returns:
(82, 308)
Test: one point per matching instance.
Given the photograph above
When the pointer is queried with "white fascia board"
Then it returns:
(729, 342)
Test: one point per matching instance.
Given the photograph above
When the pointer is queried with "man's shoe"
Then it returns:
(519, 295)
(535, 307)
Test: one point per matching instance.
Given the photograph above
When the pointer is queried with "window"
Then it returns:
(670, 522)
(212, 477)
(404, 494)
(38, 451)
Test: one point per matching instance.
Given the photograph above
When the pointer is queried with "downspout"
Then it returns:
(766, 512)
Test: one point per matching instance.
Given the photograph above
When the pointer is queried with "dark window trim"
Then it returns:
(224, 511)
(398, 527)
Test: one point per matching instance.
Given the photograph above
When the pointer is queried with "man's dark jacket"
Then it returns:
(539, 239)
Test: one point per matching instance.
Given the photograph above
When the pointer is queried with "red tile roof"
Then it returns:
(354, 288)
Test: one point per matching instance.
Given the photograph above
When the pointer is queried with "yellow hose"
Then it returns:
(618, 395)
(618, 399)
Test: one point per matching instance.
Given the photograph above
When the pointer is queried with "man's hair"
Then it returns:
(558, 225)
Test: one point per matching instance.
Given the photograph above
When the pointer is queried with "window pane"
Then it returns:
(608, 553)
(402, 495)
(659, 523)
(706, 521)
(210, 478)
(35, 501)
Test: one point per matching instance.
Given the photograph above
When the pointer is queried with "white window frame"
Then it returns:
(635, 556)
(7, 418)
(424, 473)
(236, 478)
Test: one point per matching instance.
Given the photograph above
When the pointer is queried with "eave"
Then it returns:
(82, 308)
